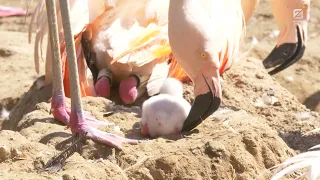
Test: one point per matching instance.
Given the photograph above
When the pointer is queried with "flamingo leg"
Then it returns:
(76, 121)
(248, 7)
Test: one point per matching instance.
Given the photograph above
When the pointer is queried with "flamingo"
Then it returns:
(292, 18)
(200, 46)
(134, 54)
(146, 58)
(205, 45)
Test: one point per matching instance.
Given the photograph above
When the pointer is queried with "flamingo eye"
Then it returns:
(204, 55)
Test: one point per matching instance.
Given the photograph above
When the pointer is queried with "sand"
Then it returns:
(240, 141)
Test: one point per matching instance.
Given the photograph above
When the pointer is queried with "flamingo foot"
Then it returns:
(82, 125)
(79, 126)
(128, 89)
(103, 84)
(106, 138)
(62, 113)
(78, 140)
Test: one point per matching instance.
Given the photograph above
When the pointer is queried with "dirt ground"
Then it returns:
(240, 141)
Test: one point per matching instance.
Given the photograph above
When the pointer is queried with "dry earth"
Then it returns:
(240, 141)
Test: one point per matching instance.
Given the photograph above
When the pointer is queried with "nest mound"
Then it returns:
(241, 140)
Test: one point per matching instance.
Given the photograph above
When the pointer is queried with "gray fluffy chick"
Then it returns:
(165, 113)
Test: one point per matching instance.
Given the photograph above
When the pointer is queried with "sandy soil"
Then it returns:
(240, 141)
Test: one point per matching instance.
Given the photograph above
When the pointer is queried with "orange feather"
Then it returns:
(86, 89)
(222, 68)
(177, 72)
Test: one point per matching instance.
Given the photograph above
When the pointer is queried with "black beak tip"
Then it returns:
(285, 55)
(280, 55)
(203, 106)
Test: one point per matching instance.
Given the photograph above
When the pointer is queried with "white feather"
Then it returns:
(118, 24)
(309, 160)
(131, 21)
(159, 75)
(158, 9)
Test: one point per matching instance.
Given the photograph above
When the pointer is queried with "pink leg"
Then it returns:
(76, 121)
(58, 107)
(248, 7)
(103, 85)
(62, 113)
(128, 89)
(85, 123)
(11, 11)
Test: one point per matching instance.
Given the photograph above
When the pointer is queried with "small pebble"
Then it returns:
(6, 52)
(117, 128)
(254, 41)
(288, 79)
(100, 160)
(40, 84)
(271, 93)
(222, 111)
(259, 103)
(67, 177)
(259, 76)
(269, 99)
(4, 114)
(304, 116)
(266, 99)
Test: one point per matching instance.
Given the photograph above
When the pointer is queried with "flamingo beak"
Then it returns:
(208, 98)
(285, 55)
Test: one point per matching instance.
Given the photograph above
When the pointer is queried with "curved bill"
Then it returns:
(285, 55)
(203, 106)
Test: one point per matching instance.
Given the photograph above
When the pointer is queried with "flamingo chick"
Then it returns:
(172, 86)
(165, 113)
